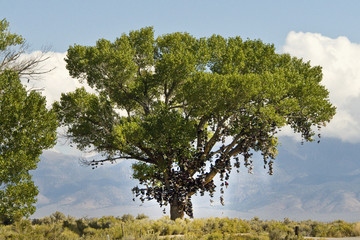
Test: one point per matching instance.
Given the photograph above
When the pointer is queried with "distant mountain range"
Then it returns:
(311, 181)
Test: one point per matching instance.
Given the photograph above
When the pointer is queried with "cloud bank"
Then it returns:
(57, 81)
(340, 60)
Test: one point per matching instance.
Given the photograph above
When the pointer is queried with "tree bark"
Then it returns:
(176, 209)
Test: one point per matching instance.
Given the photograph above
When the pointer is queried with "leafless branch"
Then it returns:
(26, 65)
(87, 162)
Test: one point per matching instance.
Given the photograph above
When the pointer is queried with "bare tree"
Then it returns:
(13, 55)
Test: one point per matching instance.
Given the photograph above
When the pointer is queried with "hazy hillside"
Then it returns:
(310, 182)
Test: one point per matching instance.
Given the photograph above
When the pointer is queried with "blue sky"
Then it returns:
(63, 23)
(324, 32)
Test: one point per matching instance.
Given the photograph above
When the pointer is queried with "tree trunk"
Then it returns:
(176, 209)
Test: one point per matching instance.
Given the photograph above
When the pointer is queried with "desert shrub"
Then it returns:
(356, 229)
(169, 228)
(197, 226)
(340, 228)
(41, 230)
(59, 227)
(45, 221)
(127, 218)
(318, 229)
(141, 216)
(81, 225)
(192, 236)
(5, 231)
(211, 224)
(68, 235)
(36, 221)
(276, 234)
(93, 223)
(156, 226)
(165, 230)
(89, 231)
(214, 236)
(174, 229)
(305, 228)
(257, 225)
(181, 225)
(107, 221)
(70, 224)
(224, 224)
(279, 231)
(102, 223)
(57, 217)
(115, 232)
(243, 226)
(254, 237)
(229, 225)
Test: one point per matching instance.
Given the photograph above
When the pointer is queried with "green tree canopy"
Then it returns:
(188, 108)
(26, 128)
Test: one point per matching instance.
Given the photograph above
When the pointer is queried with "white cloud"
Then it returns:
(41, 199)
(340, 60)
(56, 81)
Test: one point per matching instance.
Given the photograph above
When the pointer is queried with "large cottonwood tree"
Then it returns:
(188, 109)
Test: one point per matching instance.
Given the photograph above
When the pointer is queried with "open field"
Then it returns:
(347, 238)
(58, 226)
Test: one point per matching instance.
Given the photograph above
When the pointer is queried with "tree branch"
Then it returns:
(210, 144)
(93, 162)
(200, 131)
(232, 144)
(148, 153)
